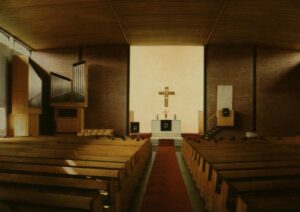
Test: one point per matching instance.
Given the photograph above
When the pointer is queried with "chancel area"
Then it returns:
(128, 106)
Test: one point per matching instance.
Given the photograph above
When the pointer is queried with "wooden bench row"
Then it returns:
(62, 174)
(228, 174)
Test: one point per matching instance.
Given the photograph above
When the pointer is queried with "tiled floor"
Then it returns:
(195, 199)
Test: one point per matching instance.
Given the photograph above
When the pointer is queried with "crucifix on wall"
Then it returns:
(166, 93)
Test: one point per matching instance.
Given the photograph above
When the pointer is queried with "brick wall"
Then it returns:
(231, 66)
(278, 92)
(277, 82)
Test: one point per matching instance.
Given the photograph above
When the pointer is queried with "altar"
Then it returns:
(166, 129)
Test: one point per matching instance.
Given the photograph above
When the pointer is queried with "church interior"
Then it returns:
(151, 106)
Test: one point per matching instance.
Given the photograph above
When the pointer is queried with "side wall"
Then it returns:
(108, 76)
(266, 94)
(278, 92)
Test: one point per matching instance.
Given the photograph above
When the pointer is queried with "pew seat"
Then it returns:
(21, 199)
(230, 174)
(102, 168)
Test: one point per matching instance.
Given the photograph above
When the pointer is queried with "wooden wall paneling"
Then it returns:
(66, 124)
(80, 119)
(223, 121)
(19, 90)
(201, 122)
(194, 22)
(23, 121)
(260, 23)
(18, 124)
(61, 23)
(34, 122)
(18, 119)
(167, 22)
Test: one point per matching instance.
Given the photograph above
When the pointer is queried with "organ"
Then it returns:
(69, 97)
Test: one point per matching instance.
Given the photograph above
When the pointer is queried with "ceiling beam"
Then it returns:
(118, 21)
(216, 22)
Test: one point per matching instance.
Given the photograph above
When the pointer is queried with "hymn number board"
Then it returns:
(166, 125)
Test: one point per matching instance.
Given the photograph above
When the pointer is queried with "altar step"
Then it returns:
(166, 135)
(155, 142)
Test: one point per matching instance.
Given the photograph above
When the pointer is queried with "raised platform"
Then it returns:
(166, 135)
(155, 140)
(166, 142)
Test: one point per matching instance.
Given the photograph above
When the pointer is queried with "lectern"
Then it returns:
(225, 119)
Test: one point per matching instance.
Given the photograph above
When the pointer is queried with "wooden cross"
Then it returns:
(166, 93)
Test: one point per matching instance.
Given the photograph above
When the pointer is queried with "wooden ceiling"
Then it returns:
(43, 24)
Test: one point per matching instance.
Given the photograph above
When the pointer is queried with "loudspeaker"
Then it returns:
(225, 112)
(134, 127)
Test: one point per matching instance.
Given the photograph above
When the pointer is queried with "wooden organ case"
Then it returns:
(69, 97)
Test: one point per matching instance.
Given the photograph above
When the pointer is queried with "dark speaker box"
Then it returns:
(225, 112)
(134, 127)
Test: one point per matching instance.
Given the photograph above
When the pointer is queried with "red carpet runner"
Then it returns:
(166, 190)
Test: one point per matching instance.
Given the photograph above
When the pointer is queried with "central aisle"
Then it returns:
(166, 190)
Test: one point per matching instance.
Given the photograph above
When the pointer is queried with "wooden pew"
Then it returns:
(51, 143)
(255, 168)
(75, 140)
(249, 176)
(79, 143)
(34, 154)
(269, 202)
(237, 188)
(203, 160)
(49, 185)
(144, 147)
(213, 156)
(114, 177)
(27, 200)
(215, 181)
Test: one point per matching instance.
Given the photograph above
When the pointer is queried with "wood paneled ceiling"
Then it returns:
(43, 24)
